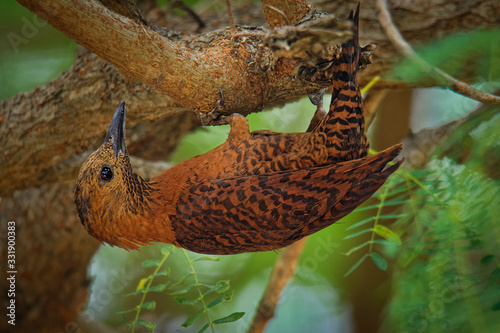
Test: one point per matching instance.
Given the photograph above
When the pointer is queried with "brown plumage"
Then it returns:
(257, 191)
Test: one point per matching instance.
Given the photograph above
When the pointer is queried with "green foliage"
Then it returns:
(452, 254)
(445, 277)
(143, 287)
(393, 194)
(203, 291)
(444, 233)
(474, 54)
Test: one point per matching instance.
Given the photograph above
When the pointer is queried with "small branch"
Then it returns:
(179, 4)
(419, 147)
(441, 77)
(280, 13)
(230, 16)
(283, 270)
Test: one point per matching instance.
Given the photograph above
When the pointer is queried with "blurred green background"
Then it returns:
(319, 298)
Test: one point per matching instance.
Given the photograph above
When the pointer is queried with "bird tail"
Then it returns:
(344, 125)
(373, 171)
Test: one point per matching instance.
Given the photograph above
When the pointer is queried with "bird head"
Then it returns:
(107, 189)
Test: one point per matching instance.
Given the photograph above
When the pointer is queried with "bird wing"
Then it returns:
(249, 213)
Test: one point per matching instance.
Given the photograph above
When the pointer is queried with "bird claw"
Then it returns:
(214, 117)
(317, 99)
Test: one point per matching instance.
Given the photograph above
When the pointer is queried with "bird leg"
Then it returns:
(239, 128)
(214, 117)
(317, 99)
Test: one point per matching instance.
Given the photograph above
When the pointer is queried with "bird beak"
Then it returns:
(116, 131)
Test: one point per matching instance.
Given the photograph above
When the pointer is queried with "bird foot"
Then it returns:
(214, 117)
(317, 99)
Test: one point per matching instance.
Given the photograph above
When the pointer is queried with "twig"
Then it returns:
(283, 270)
(230, 16)
(441, 77)
(279, 12)
(419, 147)
(181, 5)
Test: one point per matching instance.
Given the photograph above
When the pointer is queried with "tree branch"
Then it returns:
(34, 126)
(190, 74)
(443, 79)
(47, 126)
(283, 270)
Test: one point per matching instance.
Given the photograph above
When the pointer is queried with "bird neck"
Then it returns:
(137, 217)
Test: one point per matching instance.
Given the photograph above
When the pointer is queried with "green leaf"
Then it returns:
(181, 281)
(379, 261)
(126, 322)
(166, 250)
(495, 307)
(222, 286)
(224, 298)
(387, 233)
(360, 223)
(217, 258)
(164, 272)
(192, 319)
(150, 325)
(358, 233)
(158, 288)
(183, 290)
(137, 292)
(142, 282)
(356, 248)
(476, 243)
(385, 204)
(149, 305)
(495, 275)
(186, 301)
(487, 259)
(356, 265)
(150, 263)
(204, 328)
(229, 319)
(127, 311)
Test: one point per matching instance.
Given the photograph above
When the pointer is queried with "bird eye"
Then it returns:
(106, 174)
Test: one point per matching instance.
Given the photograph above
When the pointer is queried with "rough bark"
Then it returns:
(419, 21)
(53, 251)
(52, 255)
(45, 128)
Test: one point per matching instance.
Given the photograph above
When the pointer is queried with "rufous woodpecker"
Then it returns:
(257, 191)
